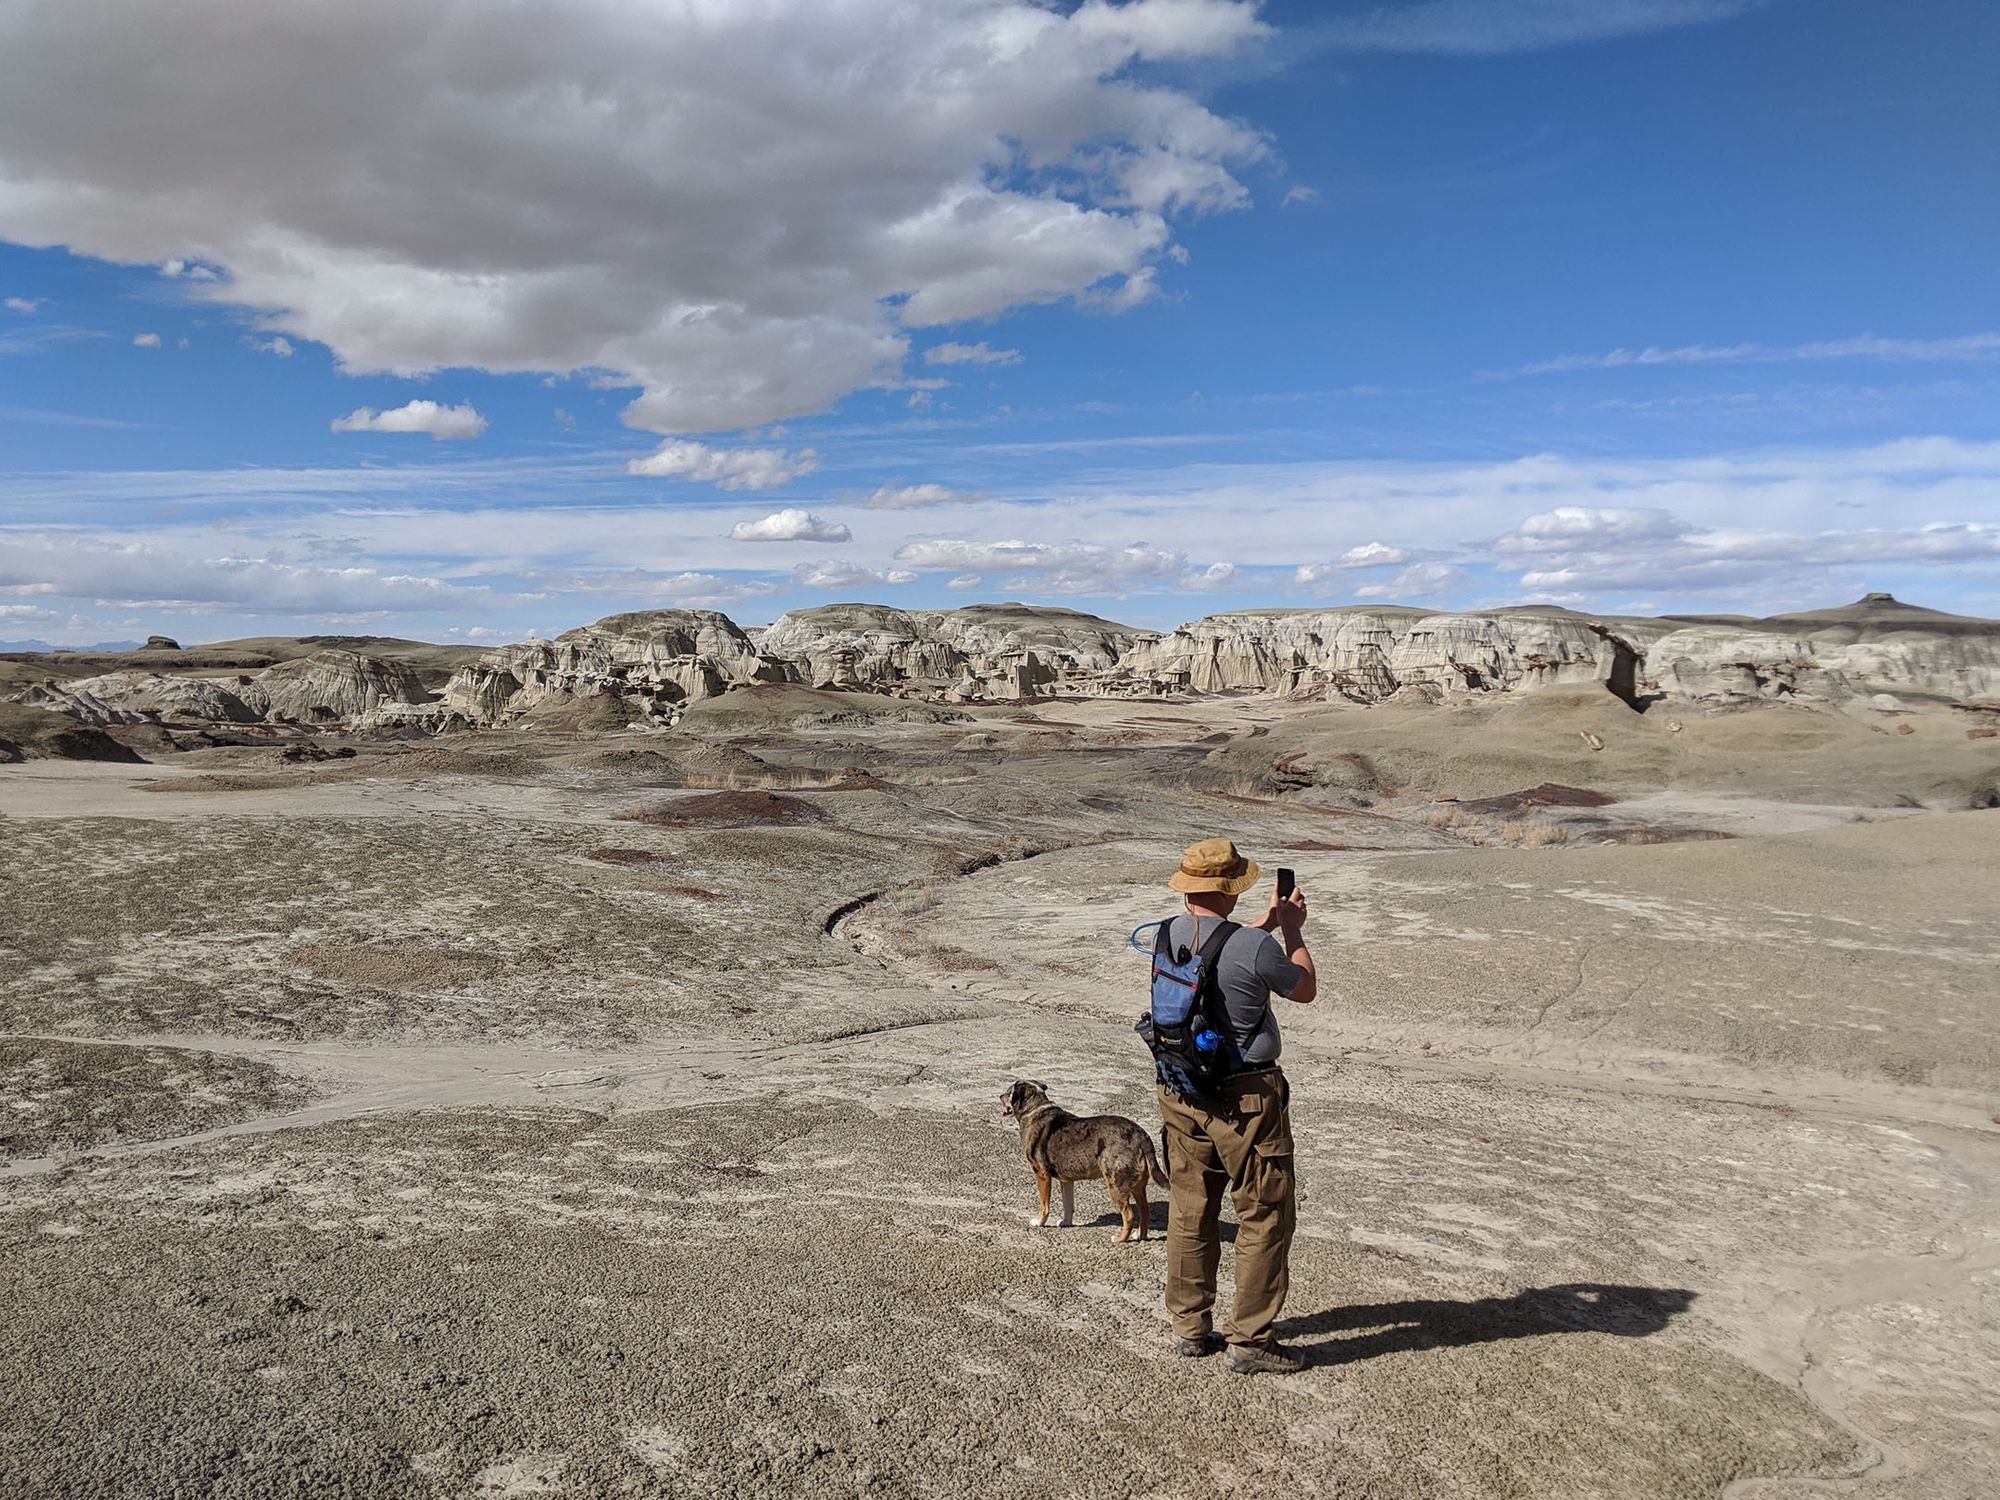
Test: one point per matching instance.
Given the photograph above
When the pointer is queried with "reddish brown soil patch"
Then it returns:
(1548, 794)
(729, 810)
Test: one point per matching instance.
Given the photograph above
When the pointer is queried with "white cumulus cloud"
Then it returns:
(277, 344)
(790, 526)
(725, 468)
(25, 306)
(146, 340)
(738, 210)
(444, 423)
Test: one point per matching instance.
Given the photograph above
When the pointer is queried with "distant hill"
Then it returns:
(44, 646)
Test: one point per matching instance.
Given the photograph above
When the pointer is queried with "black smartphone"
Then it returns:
(1286, 879)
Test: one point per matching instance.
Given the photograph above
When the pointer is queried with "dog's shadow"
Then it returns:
(1156, 1223)
(1364, 1332)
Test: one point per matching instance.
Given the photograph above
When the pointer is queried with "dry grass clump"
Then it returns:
(1518, 833)
(1536, 835)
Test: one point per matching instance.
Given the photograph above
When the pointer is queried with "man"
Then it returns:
(1241, 1135)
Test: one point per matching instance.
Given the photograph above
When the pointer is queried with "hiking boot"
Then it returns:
(1196, 1348)
(1264, 1359)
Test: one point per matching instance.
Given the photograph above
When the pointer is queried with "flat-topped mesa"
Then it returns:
(979, 652)
(655, 659)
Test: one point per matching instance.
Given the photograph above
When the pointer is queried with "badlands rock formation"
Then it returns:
(1878, 645)
(984, 651)
(1369, 653)
(646, 666)
(328, 687)
(656, 659)
(660, 660)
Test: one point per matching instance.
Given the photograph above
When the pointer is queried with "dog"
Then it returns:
(1062, 1148)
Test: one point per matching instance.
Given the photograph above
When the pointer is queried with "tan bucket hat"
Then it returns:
(1214, 865)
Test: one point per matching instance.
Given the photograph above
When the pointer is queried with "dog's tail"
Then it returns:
(1159, 1164)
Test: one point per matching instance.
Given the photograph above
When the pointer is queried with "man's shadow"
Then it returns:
(1363, 1332)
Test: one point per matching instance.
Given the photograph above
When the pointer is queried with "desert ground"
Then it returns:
(572, 1113)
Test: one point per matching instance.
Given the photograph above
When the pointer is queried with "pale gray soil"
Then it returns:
(417, 1125)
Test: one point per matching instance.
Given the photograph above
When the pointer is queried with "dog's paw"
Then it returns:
(1065, 1223)
(1035, 1221)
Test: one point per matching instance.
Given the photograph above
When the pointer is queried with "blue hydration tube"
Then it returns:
(1137, 947)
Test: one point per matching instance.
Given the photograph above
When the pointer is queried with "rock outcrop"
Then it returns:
(328, 687)
(656, 659)
(39, 734)
(987, 651)
(1878, 646)
(1368, 653)
(331, 687)
(645, 667)
(141, 698)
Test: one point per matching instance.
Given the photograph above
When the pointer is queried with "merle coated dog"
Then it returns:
(1063, 1148)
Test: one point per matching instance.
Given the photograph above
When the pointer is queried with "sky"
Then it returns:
(474, 323)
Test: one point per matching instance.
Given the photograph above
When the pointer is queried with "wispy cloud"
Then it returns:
(970, 354)
(27, 307)
(146, 340)
(838, 574)
(104, 570)
(1488, 27)
(36, 416)
(1866, 346)
(917, 497)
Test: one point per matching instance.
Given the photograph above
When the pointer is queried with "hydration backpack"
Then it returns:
(1186, 1025)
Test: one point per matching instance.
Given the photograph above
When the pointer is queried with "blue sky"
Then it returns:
(1150, 310)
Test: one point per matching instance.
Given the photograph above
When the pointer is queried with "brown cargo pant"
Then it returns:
(1244, 1141)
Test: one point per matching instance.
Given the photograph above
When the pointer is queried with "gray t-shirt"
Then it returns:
(1252, 966)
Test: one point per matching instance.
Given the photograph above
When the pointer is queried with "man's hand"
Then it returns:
(1289, 914)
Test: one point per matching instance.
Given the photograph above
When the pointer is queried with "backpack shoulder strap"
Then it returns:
(1163, 942)
(1212, 949)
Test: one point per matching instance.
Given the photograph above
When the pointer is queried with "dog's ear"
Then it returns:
(1037, 1084)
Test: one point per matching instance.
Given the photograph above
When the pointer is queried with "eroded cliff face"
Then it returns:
(656, 660)
(1368, 654)
(328, 687)
(651, 664)
(987, 651)
(1878, 646)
